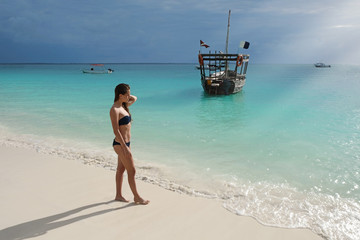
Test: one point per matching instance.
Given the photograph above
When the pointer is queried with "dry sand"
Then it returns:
(47, 197)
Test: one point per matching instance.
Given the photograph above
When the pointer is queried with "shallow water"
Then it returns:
(285, 150)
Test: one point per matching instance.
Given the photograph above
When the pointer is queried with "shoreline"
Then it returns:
(44, 195)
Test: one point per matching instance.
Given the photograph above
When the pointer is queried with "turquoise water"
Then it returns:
(285, 150)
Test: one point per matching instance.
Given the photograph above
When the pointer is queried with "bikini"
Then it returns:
(123, 121)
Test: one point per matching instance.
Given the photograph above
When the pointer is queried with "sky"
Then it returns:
(169, 31)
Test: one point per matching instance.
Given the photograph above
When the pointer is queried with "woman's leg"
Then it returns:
(130, 169)
(119, 180)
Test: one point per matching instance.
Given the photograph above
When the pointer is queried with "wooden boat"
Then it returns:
(227, 74)
(223, 80)
(97, 69)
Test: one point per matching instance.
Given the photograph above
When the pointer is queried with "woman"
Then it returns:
(121, 124)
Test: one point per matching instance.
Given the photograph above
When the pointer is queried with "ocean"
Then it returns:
(285, 150)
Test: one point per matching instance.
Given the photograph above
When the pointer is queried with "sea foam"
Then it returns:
(279, 205)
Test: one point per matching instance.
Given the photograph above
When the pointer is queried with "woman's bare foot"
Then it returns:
(121, 199)
(141, 201)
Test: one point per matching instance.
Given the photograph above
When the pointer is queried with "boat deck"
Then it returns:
(211, 63)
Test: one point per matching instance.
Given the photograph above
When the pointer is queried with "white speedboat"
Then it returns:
(97, 69)
(321, 65)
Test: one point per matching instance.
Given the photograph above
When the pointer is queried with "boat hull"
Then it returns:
(321, 65)
(96, 71)
(224, 86)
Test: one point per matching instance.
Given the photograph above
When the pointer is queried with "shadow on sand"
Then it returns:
(43, 225)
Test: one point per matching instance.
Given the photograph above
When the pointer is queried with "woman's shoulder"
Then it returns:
(114, 109)
(119, 110)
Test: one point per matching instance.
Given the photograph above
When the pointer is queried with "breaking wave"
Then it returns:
(280, 205)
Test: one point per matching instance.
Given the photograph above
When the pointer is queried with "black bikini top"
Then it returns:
(125, 120)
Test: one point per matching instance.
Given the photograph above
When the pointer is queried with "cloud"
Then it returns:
(345, 26)
(169, 30)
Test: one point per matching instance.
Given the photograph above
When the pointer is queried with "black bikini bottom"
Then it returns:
(117, 143)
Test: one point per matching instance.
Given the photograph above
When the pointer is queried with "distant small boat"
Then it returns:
(321, 65)
(97, 69)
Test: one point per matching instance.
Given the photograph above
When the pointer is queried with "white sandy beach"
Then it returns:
(46, 197)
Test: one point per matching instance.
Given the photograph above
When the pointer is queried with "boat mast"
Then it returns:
(227, 36)
(227, 43)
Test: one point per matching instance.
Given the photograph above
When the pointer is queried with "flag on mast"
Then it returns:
(244, 44)
(202, 44)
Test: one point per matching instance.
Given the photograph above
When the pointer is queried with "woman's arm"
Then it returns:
(132, 99)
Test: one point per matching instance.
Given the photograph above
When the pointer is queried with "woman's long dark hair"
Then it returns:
(122, 88)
